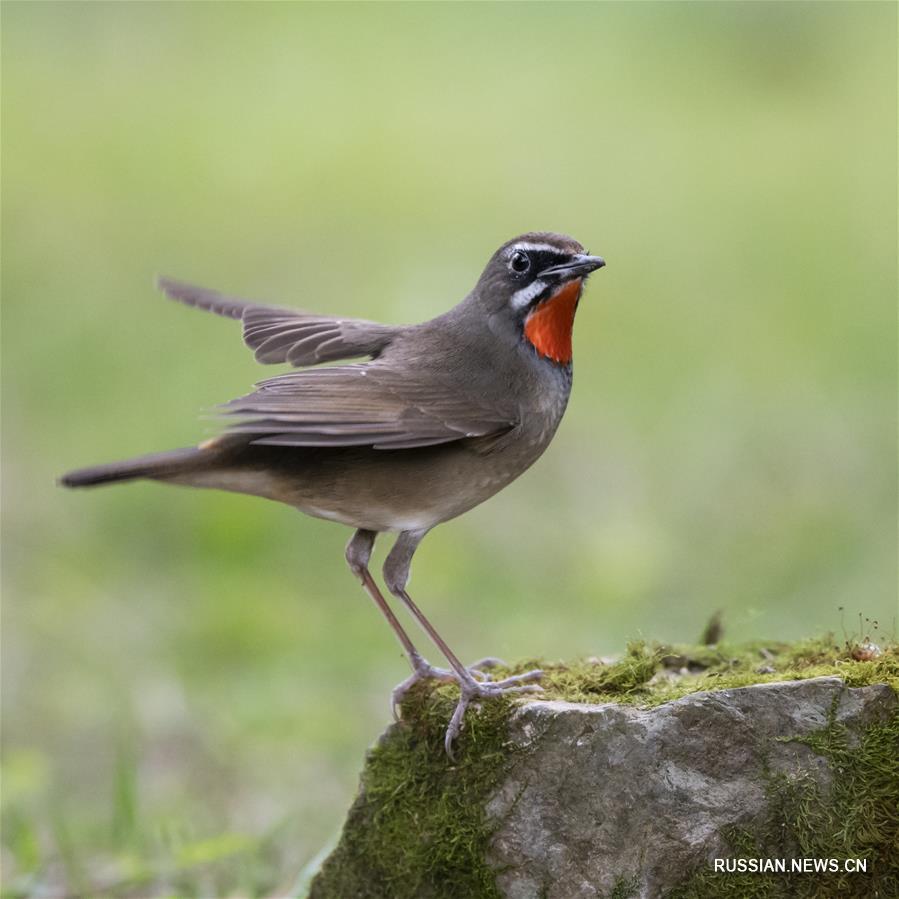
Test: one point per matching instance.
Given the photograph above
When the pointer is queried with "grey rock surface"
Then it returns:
(611, 793)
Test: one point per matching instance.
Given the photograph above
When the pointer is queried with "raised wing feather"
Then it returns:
(279, 335)
(361, 405)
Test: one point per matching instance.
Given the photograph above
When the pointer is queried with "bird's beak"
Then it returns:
(577, 267)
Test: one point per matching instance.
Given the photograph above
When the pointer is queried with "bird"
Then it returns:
(435, 419)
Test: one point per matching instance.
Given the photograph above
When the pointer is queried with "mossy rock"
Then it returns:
(629, 778)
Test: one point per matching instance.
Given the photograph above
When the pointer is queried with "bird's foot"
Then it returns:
(481, 668)
(423, 670)
(472, 691)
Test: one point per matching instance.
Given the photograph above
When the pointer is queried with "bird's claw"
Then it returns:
(473, 691)
(423, 670)
(476, 686)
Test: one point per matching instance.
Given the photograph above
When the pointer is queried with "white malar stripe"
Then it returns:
(538, 248)
(526, 295)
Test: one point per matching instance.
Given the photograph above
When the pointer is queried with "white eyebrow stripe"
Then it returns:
(538, 248)
(522, 297)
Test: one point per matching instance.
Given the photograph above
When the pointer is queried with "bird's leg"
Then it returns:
(396, 576)
(358, 553)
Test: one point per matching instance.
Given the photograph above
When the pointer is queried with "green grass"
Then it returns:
(180, 668)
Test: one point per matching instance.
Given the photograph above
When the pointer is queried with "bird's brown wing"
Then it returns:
(362, 405)
(287, 335)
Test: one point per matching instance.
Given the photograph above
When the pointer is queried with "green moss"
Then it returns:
(419, 828)
(625, 888)
(650, 675)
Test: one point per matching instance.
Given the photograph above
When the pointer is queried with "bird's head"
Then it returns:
(531, 287)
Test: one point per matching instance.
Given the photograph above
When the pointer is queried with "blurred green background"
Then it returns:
(190, 679)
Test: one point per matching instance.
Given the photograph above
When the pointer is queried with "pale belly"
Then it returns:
(379, 490)
(385, 491)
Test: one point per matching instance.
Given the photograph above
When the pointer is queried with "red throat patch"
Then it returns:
(550, 325)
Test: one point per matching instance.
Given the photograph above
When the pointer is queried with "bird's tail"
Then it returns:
(156, 466)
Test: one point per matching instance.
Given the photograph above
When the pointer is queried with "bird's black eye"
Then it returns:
(520, 262)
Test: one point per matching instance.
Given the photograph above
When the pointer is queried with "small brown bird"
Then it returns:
(444, 415)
